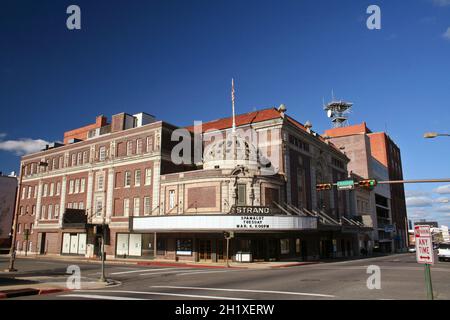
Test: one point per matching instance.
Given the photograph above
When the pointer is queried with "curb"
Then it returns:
(186, 265)
(29, 292)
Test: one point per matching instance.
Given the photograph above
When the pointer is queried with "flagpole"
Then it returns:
(232, 104)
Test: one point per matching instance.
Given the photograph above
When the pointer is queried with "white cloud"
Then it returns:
(23, 146)
(446, 34)
(443, 209)
(442, 3)
(441, 200)
(416, 193)
(2, 135)
(419, 202)
(443, 189)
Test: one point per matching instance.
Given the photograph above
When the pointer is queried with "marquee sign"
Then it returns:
(251, 210)
(229, 222)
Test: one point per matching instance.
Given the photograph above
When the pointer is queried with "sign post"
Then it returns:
(228, 235)
(425, 254)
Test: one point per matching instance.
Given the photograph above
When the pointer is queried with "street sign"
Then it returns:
(389, 228)
(345, 185)
(424, 245)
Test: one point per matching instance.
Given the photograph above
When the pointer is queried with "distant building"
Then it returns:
(375, 155)
(8, 188)
(432, 224)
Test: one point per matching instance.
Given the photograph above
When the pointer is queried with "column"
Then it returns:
(90, 184)
(109, 195)
(38, 204)
(62, 204)
(155, 196)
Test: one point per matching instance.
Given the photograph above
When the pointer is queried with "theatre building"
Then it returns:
(251, 178)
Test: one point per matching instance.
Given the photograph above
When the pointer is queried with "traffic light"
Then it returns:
(368, 184)
(323, 186)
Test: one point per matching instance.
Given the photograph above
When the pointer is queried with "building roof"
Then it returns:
(241, 120)
(348, 131)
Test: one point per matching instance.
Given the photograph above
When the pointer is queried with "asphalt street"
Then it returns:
(401, 278)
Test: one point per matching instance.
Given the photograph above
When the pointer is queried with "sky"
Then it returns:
(175, 59)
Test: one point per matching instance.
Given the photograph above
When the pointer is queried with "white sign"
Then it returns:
(223, 222)
(424, 245)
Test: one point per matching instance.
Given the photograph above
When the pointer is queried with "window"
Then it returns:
(102, 153)
(50, 211)
(148, 177)
(83, 185)
(79, 158)
(74, 159)
(54, 164)
(129, 148)
(126, 207)
(136, 206)
(29, 193)
(60, 164)
(138, 146)
(137, 178)
(45, 190)
(127, 178)
(35, 191)
(184, 247)
(100, 181)
(43, 213)
(58, 188)
(98, 206)
(52, 189)
(284, 246)
(56, 212)
(21, 211)
(81, 205)
(77, 186)
(69, 205)
(19, 228)
(85, 157)
(33, 210)
(171, 199)
(241, 195)
(147, 206)
(149, 144)
(71, 186)
(31, 228)
(75, 205)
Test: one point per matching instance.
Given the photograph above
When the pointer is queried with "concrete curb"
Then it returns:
(30, 292)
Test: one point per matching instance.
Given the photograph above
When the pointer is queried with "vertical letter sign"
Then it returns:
(424, 245)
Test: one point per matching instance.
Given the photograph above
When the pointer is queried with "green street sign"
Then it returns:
(346, 185)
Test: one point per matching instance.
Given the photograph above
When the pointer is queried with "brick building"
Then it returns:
(375, 155)
(8, 189)
(257, 181)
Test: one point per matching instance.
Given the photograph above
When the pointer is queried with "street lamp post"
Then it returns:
(12, 251)
(431, 135)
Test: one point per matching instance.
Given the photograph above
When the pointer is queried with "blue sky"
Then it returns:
(175, 59)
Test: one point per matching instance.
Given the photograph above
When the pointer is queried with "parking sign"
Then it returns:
(424, 245)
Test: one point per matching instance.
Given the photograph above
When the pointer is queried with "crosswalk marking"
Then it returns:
(94, 296)
(145, 270)
(248, 290)
(165, 294)
(197, 272)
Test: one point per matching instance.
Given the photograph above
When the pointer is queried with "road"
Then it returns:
(401, 278)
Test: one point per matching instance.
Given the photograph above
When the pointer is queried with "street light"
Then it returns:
(12, 251)
(431, 135)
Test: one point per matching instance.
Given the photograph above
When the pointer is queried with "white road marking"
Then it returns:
(164, 294)
(248, 290)
(197, 272)
(164, 272)
(94, 296)
(144, 270)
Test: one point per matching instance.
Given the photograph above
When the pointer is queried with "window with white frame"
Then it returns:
(24, 191)
(98, 206)
(136, 206)
(35, 192)
(79, 158)
(75, 205)
(58, 188)
(77, 186)
(129, 148)
(147, 206)
(127, 178)
(19, 228)
(85, 157)
(45, 190)
(100, 181)
(60, 164)
(126, 207)
(33, 210)
(81, 205)
(137, 178)
(21, 211)
(52, 189)
(171, 199)
(74, 159)
(43, 213)
(71, 185)
(83, 185)
(50, 211)
(54, 163)
(56, 212)
(102, 153)
(149, 144)
(148, 176)
(69, 205)
(138, 146)
(29, 192)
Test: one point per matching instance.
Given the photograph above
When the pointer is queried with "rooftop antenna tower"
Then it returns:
(338, 111)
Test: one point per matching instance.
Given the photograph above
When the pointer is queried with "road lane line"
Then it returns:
(144, 270)
(165, 294)
(165, 272)
(197, 272)
(248, 290)
(94, 296)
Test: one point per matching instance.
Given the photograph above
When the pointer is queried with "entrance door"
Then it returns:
(204, 250)
(221, 249)
(135, 245)
(66, 243)
(82, 243)
(42, 244)
(74, 244)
